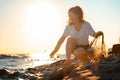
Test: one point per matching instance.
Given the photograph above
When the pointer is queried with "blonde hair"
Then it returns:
(78, 11)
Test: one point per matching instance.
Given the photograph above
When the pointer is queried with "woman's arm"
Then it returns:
(60, 41)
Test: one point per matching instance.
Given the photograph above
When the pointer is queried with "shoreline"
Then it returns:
(107, 69)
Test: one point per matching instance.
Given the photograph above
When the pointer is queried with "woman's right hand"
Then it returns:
(54, 51)
(52, 54)
(57, 46)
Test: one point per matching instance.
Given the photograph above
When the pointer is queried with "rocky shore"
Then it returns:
(108, 69)
(105, 69)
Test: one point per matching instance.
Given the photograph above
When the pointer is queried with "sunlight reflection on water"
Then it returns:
(40, 59)
(24, 61)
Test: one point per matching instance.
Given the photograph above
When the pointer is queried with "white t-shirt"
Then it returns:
(81, 36)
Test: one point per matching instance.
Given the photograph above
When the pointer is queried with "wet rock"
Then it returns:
(32, 70)
(16, 74)
(3, 72)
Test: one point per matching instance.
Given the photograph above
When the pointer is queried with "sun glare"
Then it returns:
(40, 59)
(40, 22)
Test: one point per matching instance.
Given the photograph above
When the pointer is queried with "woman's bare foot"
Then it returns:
(67, 63)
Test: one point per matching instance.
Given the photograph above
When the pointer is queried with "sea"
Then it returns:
(24, 61)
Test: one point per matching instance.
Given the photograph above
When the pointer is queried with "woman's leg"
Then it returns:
(70, 47)
(82, 54)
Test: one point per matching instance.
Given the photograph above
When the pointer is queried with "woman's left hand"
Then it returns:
(99, 33)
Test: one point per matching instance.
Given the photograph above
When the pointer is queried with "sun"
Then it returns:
(40, 21)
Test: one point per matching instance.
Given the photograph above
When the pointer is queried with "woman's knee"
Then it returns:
(71, 43)
(70, 40)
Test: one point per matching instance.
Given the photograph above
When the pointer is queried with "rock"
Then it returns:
(110, 69)
(3, 72)
(116, 76)
(32, 70)
(115, 49)
(16, 74)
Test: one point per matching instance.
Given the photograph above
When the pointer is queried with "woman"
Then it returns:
(77, 31)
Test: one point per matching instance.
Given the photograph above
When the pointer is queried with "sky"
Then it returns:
(35, 26)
